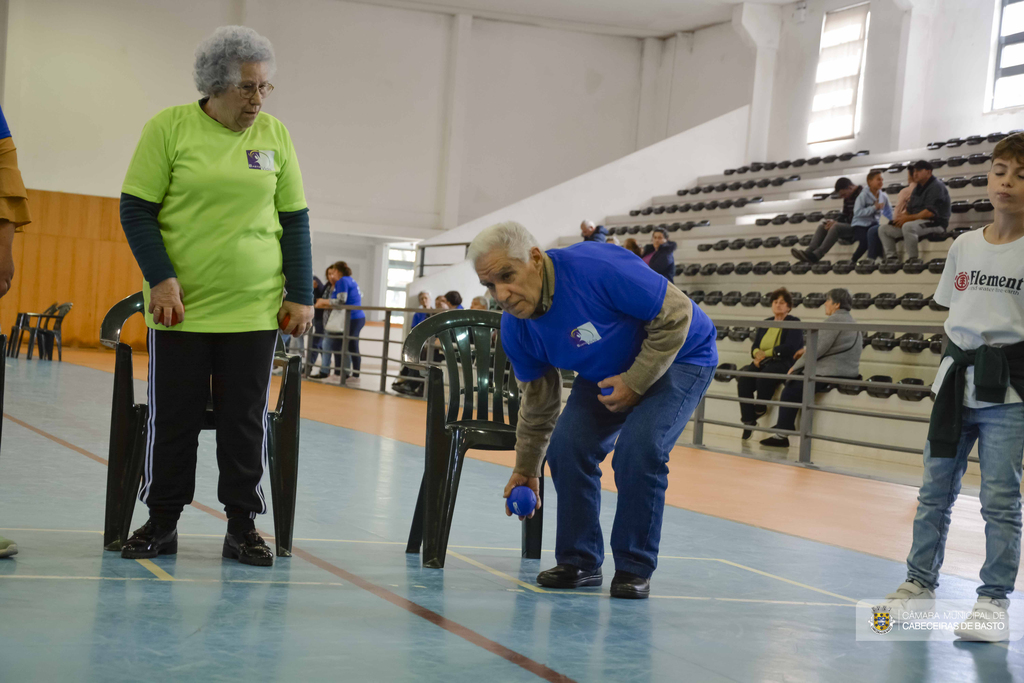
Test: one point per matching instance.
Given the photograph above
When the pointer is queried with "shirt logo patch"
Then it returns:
(585, 334)
(962, 281)
(978, 281)
(260, 159)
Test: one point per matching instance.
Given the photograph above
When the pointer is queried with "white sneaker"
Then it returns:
(989, 621)
(910, 602)
(333, 379)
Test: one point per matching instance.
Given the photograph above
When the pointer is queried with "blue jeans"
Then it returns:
(999, 431)
(335, 344)
(874, 243)
(583, 437)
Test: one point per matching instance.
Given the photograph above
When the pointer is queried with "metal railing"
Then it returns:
(809, 378)
(422, 249)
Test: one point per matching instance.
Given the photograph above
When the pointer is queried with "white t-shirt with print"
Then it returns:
(983, 285)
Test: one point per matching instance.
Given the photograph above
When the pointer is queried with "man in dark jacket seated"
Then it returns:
(658, 254)
(593, 233)
(773, 352)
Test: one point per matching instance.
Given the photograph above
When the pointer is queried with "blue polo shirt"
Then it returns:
(603, 299)
(355, 296)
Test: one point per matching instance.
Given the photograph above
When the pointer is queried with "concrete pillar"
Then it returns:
(759, 26)
(647, 132)
(912, 67)
(454, 133)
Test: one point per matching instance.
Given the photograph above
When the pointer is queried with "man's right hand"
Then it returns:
(522, 480)
(165, 303)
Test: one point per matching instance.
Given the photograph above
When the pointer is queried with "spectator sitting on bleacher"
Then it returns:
(633, 246)
(838, 355)
(593, 233)
(927, 212)
(829, 232)
(479, 303)
(454, 299)
(612, 239)
(424, 301)
(903, 198)
(403, 386)
(658, 254)
(773, 351)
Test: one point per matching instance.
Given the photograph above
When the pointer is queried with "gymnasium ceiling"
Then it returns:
(640, 18)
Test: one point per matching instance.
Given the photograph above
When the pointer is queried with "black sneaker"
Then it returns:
(148, 541)
(248, 548)
(798, 254)
(811, 257)
(776, 442)
(747, 433)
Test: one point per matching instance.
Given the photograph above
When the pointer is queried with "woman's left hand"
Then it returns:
(300, 318)
(322, 303)
(621, 398)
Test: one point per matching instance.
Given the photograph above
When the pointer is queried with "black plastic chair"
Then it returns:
(22, 324)
(128, 434)
(487, 421)
(47, 337)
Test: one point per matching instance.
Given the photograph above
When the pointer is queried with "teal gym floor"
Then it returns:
(730, 602)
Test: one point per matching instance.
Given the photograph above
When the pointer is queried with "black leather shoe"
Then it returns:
(776, 442)
(798, 254)
(148, 541)
(569, 576)
(630, 586)
(747, 433)
(248, 548)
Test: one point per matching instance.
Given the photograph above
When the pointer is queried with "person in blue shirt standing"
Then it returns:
(13, 215)
(346, 292)
(644, 355)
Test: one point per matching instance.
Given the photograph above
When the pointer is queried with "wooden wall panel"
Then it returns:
(74, 250)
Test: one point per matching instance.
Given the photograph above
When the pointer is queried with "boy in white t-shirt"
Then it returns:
(978, 398)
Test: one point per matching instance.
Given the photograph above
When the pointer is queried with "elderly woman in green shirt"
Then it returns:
(214, 211)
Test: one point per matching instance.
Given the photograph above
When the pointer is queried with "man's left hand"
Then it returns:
(300, 318)
(622, 397)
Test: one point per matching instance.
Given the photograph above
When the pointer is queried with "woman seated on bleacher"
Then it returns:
(774, 352)
(838, 356)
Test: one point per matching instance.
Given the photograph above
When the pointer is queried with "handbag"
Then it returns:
(335, 321)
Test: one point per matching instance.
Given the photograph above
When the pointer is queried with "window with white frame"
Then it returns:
(835, 110)
(400, 267)
(1008, 78)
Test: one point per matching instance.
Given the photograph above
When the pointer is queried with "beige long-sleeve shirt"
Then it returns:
(540, 401)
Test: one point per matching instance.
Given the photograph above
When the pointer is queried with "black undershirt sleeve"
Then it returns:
(297, 257)
(142, 229)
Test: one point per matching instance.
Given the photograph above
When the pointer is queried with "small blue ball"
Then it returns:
(607, 391)
(521, 501)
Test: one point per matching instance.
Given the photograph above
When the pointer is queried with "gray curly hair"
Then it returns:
(219, 58)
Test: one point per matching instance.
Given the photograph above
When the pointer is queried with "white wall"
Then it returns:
(544, 106)
(364, 255)
(611, 189)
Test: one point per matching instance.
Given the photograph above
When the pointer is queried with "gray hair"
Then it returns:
(510, 237)
(482, 300)
(842, 297)
(219, 58)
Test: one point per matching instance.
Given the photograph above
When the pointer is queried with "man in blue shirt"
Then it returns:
(644, 356)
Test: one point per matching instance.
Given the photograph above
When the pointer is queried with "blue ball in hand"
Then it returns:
(521, 501)
(607, 391)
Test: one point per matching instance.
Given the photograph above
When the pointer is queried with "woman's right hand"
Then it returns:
(799, 354)
(165, 303)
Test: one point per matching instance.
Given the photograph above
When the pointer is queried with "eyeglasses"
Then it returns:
(249, 89)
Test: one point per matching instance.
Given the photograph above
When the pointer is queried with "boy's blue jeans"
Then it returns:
(586, 432)
(999, 431)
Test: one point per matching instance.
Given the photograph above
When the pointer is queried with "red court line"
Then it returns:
(452, 627)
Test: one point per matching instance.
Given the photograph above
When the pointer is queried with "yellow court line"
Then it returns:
(50, 577)
(501, 574)
(157, 571)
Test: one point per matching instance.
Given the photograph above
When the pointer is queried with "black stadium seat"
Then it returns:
(756, 167)
(954, 142)
(916, 394)
(814, 161)
(726, 204)
(722, 374)
(914, 266)
(754, 243)
(979, 180)
(698, 206)
(647, 229)
(706, 246)
(751, 299)
(648, 211)
(797, 297)
(787, 241)
(720, 245)
(738, 243)
(659, 210)
(805, 240)
(955, 161)
(680, 269)
(709, 269)
(743, 169)
(721, 332)
(866, 267)
(733, 187)
(913, 301)
(830, 158)
(823, 267)
(739, 334)
(982, 206)
(995, 137)
(936, 266)
(799, 162)
(762, 267)
(935, 305)
(834, 215)
(884, 341)
(978, 159)
(726, 268)
(692, 270)
(913, 342)
(935, 343)
(797, 218)
(713, 298)
(707, 189)
(729, 171)
(744, 267)
(957, 182)
(880, 392)
(843, 267)
(814, 299)
(822, 196)
(784, 164)
(815, 216)
(721, 187)
(749, 184)
(938, 236)
(769, 242)
(696, 296)
(634, 212)
(781, 267)
(894, 188)
(713, 204)
(762, 221)
(851, 390)
(764, 182)
(781, 219)
(800, 268)
(862, 300)
(634, 229)
(887, 301)
(731, 298)
(937, 163)
(960, 206)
